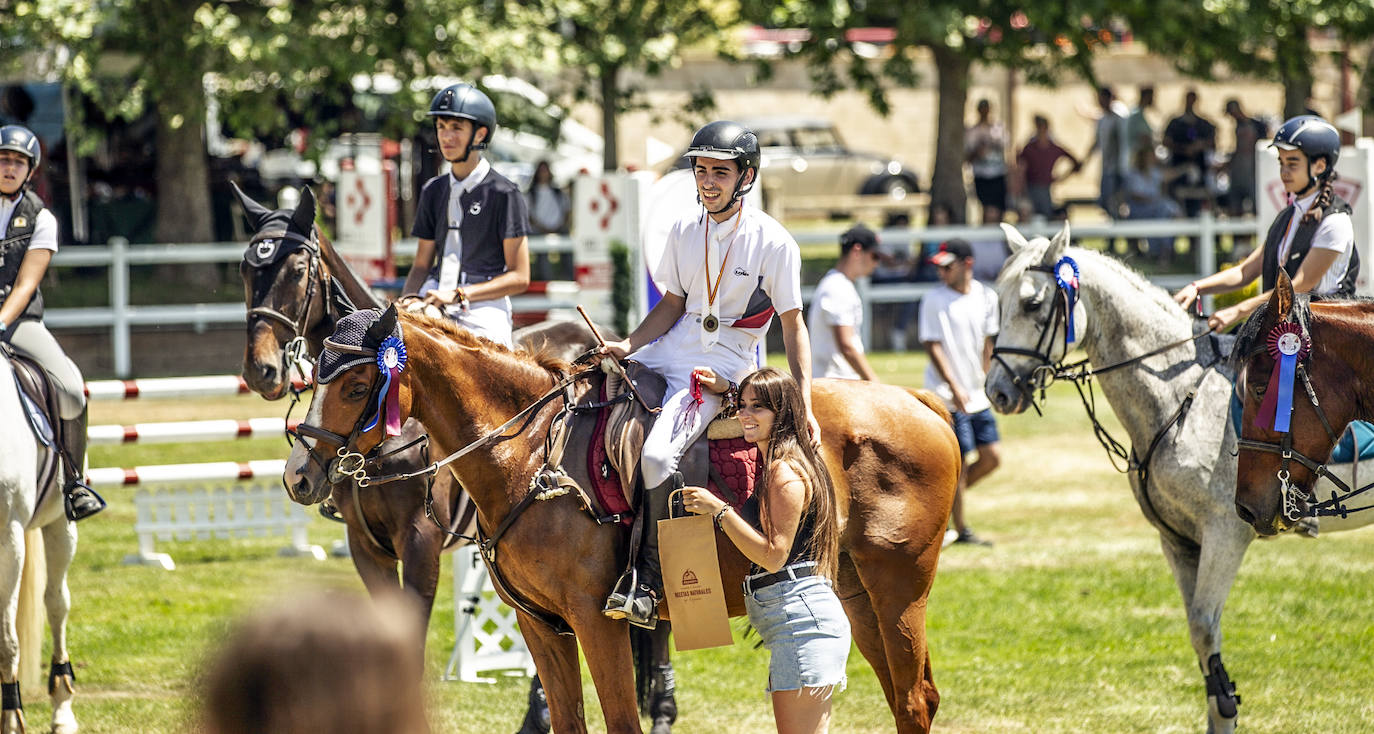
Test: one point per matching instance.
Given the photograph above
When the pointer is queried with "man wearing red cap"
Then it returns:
(957, 325)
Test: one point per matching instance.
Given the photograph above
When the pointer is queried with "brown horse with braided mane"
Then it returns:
(891, 452)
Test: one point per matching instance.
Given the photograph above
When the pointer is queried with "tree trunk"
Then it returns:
(1296, 72)
(1365, 99)
(610, 100)
(183, 191)
(947, 181)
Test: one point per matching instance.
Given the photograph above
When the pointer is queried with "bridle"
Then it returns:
(1081, 374)
(295, 351)
(1290, 494)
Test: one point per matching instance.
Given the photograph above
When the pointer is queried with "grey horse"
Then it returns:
(1172, 403)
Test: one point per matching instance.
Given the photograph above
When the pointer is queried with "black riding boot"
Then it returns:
(78, 499)
(635, 596)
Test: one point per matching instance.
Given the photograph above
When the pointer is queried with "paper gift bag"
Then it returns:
(691, 580)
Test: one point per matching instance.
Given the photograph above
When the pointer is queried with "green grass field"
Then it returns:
(1070, 623)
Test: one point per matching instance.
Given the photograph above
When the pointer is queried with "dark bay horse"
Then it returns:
(891, 452)
(1332, 384)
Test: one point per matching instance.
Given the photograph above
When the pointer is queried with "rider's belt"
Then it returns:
(786, 573)
(739, 340)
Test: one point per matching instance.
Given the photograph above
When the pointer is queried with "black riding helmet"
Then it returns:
(725, 140)
(22, 140)
(466, 101)
(1316, 138)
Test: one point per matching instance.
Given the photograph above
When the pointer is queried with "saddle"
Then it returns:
(39, 400)
(609, 426)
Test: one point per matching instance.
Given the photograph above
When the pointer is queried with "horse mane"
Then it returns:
(353, 286)
(1033, 253)
(1249, 337)
(543, 357)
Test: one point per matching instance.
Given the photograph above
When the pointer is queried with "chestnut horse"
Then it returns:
(1330, 387)
(891, 451)
(296, 286)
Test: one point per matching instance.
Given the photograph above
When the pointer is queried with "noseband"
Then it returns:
(1291, 495)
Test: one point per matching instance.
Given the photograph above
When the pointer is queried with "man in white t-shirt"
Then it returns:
(725, 272)
(837, 314)
(957, 326)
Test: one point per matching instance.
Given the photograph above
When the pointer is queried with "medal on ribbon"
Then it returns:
(710, 323)
(1288, 346)
(391, 360)
(1066, 276)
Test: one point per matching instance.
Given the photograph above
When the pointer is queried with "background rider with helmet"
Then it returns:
(1313, 238)
(30, 239)
(472, 224)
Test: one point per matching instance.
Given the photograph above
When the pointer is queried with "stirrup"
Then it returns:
(633, 602)
(79, 501)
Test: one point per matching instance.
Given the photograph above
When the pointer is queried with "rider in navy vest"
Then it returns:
(30, 239)
(1313, 237)
(472, 224)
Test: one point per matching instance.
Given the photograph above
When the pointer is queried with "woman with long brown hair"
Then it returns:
(790, 532)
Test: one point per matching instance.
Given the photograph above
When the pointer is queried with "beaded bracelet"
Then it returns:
(721, 514)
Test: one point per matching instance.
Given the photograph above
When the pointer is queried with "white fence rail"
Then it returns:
(119, 257)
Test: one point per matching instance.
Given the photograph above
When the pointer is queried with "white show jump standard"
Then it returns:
(188, 431)
(172, 387)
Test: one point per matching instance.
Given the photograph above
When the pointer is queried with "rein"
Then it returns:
(1124, 460)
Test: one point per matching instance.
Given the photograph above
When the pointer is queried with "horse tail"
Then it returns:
(933, 402)
(28, 620)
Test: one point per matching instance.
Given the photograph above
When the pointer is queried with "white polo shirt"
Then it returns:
(835, 303)
(761, 274)
(44, 230)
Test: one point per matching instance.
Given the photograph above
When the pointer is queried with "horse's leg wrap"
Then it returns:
(662, 701)
(1219, 684)
(56, 672)
(9, 697)
(537, 715)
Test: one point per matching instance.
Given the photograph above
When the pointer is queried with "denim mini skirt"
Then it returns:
(804, 627)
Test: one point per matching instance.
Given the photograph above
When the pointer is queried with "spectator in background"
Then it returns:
(1139, 133)
(836, 316)
(1110, 143)
(326, 662)
(1240, 168)
(985, 146)
(548, 205)
(1036, 162)
(958, 323)
(1192, 143)
(1143, 192)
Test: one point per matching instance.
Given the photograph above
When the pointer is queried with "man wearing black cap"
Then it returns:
(958, 323)
(836, 314)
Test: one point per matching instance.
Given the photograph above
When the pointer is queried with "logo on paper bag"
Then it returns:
(689, 578)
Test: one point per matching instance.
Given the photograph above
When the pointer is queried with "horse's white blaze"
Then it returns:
(300, 453)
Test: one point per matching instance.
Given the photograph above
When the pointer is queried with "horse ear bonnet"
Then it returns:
(365, 329)
(277, 233)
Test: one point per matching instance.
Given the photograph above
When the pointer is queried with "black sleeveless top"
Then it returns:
(1302, 244)
(14, 245)
(801, 542)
